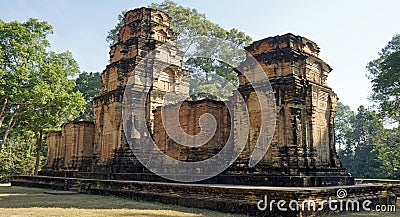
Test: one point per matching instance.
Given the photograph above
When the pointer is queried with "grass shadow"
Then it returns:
(34, 200)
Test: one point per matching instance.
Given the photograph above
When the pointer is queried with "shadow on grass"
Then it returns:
(21, 197)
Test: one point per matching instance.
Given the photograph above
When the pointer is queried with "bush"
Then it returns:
(17, 157)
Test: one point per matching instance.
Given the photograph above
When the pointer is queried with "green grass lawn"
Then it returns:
(24, 202)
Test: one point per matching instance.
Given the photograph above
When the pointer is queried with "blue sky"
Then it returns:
(349, 33)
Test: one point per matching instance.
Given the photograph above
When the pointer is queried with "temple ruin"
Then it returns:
(95, 157)
(302, 152)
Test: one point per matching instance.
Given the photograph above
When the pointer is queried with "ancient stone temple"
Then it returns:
(96, 157)
(144, 30)
(302, 152)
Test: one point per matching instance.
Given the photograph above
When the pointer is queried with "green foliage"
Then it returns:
(36, 84)
(22, 46)
(37, 89)
(53, 100)
(367, 149)
(188, 24)
(210, 79)
(89, 84)
(360, 135)
(112, 35)
(210, 52)
(373, 151)
(384, 74)
(389, 153)
(17, 157)
(342, 124)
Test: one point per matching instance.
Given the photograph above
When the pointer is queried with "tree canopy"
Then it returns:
(384, 73)
(343, 126)
(359, 139)
(89, 84)
(369, 146)
(37, 85)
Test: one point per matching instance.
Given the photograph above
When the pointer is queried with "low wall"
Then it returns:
(225, 198)
(395, 183)
(231, 179)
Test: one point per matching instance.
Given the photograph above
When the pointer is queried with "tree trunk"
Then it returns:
(3, 108)
(6, 133)
(39, 141)
(10, 125)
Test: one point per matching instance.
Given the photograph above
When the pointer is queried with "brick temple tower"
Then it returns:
(144, 30)
(302, 152)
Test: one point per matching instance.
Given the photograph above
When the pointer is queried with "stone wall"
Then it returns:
(71, 146)
(189, 119)
(237, 199)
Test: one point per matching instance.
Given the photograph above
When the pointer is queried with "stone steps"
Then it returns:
(76, 187)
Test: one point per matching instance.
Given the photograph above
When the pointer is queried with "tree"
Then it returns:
(343, 126)
(384, 74)
(389, 153)
(360, 156)
(209, 61)
(18, 155)
(366, 134)
(89, 84)
(55, 102)
(21, 48)
(112, 35)
(37, 86)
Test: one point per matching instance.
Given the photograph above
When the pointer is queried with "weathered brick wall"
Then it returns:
(70, 146)
(108, 126)
(53, 146)
(189, 116)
